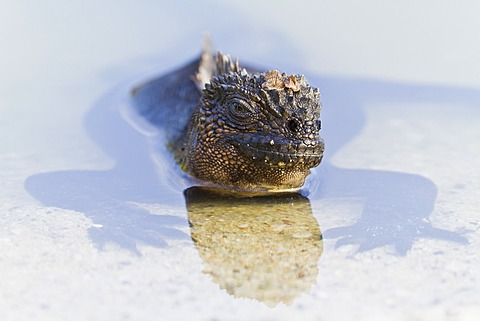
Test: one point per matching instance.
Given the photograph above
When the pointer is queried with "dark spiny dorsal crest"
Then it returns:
(211, 66)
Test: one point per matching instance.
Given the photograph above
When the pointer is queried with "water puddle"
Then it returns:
(264, 248)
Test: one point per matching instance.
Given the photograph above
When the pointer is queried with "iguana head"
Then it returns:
(255, 132)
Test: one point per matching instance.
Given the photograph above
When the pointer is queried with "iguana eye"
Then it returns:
(239, 108)
(240, 112)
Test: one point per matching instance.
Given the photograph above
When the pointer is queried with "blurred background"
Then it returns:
(427, 41)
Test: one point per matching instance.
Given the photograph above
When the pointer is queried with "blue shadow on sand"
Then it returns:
(397, 205)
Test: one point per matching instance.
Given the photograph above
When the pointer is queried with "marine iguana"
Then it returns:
(236, 128)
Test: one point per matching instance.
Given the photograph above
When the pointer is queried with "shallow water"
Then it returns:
(396, 205)
(249, 247)
(98, 223)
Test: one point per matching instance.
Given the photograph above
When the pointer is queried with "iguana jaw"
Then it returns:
(256, 166)
(279, 152)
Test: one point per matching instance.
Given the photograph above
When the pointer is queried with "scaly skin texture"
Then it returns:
(254, 132)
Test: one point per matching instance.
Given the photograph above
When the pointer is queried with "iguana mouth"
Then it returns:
(280, 152)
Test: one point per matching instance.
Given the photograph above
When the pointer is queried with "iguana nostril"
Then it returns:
(294, 125)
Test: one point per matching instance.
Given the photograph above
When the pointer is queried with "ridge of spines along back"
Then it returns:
(211, 65)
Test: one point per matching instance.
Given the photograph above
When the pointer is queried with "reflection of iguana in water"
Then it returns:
(265, 248)
(234, 128)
